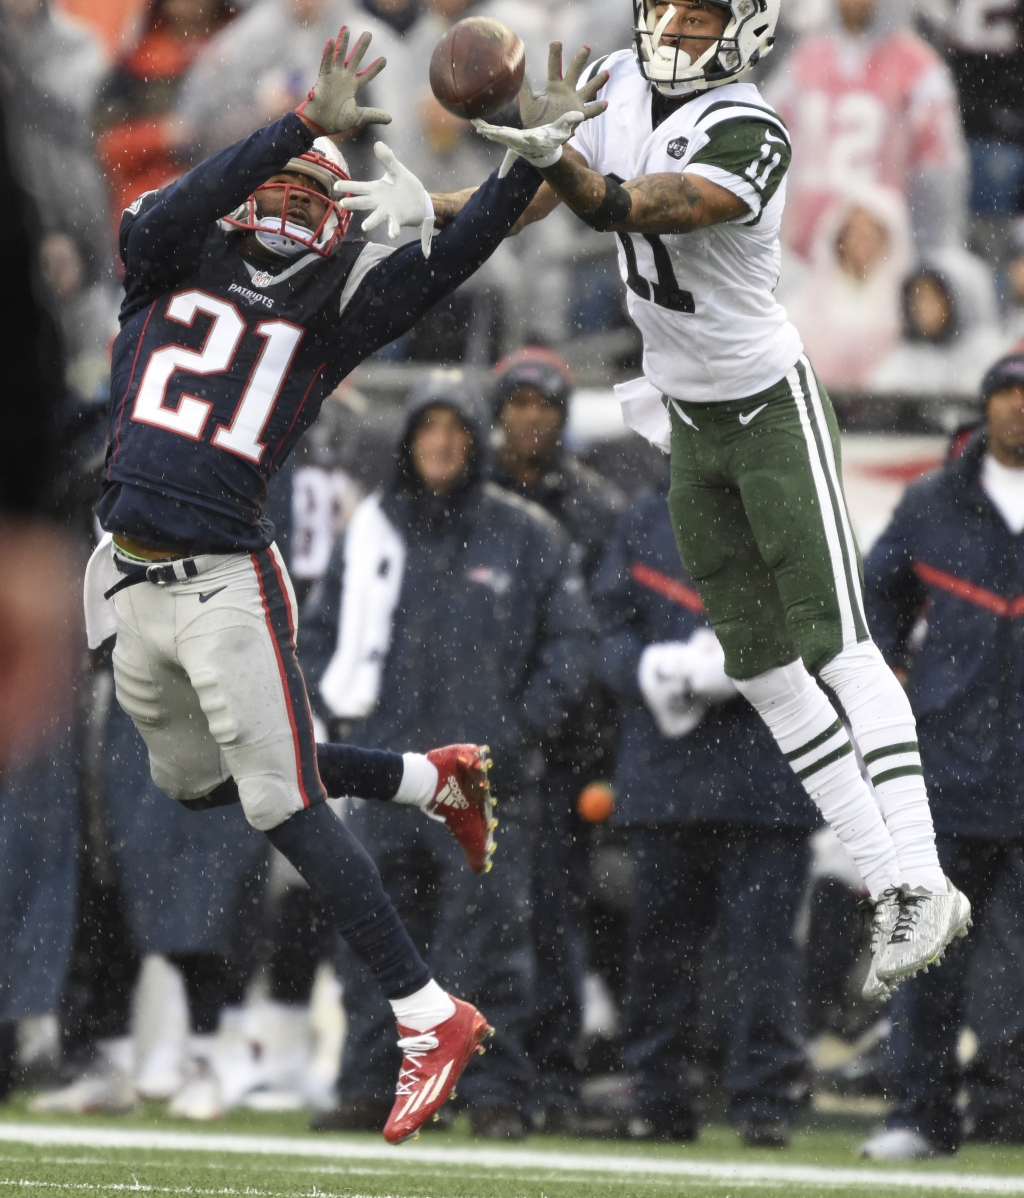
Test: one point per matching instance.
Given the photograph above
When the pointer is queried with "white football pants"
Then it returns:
(206, 667)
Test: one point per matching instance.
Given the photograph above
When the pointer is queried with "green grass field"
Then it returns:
(272, 1156)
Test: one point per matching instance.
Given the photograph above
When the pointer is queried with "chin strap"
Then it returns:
(282, 243)
(279, 244)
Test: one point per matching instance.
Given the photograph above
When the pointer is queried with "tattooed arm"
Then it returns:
(448, 205)
(665, 203)
(659, 203)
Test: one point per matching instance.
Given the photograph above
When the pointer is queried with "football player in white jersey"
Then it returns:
(687, 167)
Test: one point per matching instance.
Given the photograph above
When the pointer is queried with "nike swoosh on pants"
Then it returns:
(746, 417)
(210, 594)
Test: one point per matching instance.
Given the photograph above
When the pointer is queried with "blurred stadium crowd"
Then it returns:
(688, 938)
(902, 228)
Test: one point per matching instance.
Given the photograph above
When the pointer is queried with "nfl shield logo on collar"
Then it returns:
(262, 278)
(676, 148)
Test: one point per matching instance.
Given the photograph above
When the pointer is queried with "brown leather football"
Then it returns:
(477, 67)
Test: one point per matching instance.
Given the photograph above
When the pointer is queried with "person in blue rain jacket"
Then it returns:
(717, 826)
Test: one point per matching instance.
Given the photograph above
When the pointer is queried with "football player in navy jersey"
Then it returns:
(244, 308)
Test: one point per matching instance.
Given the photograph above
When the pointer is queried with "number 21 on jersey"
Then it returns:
(242, 435)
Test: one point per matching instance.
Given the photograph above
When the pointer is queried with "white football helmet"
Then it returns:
(748, 36)
(323, 163)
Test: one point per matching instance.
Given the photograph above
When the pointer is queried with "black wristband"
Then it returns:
(615, 207)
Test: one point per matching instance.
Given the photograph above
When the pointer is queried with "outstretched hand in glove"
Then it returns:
(397, 197)
(550, 116)
(331, 104)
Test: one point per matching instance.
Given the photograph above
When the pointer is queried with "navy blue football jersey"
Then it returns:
(222, 362)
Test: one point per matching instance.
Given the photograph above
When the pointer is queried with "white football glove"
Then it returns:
(331, 104)
(556, 99)
(540, 147)
(682, 680)
(397, 197)
(664, 677)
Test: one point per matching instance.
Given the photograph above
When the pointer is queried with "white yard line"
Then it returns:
(505, 1160)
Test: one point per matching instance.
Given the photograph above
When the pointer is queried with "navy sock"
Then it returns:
(342, 875)
(362, 773)
(344, 771)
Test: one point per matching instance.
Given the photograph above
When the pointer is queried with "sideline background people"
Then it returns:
(139, 141)
(480, 627)
(951, 329)
(529, 397)
(717, 827)
(846, 303)
(868, 102)
(936, 586)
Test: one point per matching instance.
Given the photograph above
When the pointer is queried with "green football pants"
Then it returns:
(760, 518)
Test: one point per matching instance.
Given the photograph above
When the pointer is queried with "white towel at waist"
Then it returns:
(643, 410)
(100, 575)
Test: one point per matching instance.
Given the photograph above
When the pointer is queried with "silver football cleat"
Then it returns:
(925, 924)
(883, 920)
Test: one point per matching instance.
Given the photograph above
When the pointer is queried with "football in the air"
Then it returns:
(477, 67)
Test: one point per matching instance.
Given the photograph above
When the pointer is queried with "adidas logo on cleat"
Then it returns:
(452, 796)
(428, 1091)
(463, 800)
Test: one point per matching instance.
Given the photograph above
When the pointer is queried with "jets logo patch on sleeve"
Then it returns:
(676, 148)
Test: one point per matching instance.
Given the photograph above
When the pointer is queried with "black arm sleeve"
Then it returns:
(162, 234)
(399, 290)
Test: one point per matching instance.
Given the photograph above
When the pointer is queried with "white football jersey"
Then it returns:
(703, 301)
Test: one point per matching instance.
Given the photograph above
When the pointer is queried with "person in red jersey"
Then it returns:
(869, 102)
(137, 138)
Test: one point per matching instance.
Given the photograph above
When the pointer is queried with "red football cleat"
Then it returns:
(463, 800)
(432, 1062)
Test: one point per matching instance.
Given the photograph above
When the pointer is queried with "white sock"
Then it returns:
(815, 743)
(419, 781)
(425, 1009)
(886, 734)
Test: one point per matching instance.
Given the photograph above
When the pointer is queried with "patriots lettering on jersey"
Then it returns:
(250, 296)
